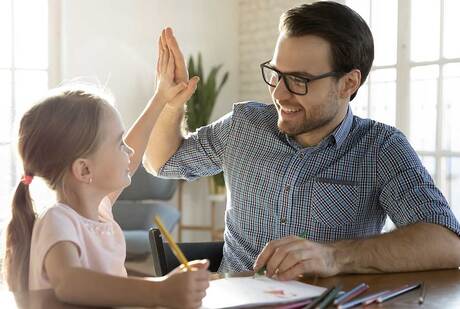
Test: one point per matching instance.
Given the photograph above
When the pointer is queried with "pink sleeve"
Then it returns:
(56, 226)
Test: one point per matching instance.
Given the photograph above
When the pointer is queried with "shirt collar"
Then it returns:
(341, 132)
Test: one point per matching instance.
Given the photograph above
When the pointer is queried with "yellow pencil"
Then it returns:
(175, 249)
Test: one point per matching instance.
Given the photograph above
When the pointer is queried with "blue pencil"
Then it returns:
(404, 289)
(360, 301)
(345, 297)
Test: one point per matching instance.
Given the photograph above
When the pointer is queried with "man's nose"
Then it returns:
(280, 92)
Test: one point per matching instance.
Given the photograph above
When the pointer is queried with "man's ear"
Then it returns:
(349, 83)
(81, 170)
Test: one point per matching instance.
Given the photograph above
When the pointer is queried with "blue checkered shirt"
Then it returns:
(343, 188)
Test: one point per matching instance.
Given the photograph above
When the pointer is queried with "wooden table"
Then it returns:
(442, 291)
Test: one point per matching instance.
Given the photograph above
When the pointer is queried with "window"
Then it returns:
(414, 80)
(23, 77)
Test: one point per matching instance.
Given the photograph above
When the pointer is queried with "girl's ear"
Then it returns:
(81, 170)
(350, 82)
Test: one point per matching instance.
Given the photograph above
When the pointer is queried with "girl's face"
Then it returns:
(110, 163)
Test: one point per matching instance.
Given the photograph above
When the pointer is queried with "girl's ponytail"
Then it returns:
(18, 238)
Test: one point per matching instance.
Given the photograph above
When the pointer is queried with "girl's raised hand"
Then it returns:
(173, 87)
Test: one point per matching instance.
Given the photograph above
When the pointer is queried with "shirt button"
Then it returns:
(283, 220)
(286, 188)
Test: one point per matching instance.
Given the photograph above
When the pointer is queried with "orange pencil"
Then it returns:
(174, 247)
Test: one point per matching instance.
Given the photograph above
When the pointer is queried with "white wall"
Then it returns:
(117, 39)
(114, 41)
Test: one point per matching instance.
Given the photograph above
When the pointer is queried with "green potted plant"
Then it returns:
(201, 104)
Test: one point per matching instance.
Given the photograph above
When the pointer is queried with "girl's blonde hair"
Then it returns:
(52, 135)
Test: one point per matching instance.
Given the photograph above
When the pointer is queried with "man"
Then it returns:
(306, 166)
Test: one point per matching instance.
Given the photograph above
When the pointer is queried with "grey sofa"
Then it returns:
(134, 210)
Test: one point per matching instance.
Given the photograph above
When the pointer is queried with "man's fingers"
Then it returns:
(270, 249)
(171, 63)
(292, 258)
(160, 53)
(163, 40)
(296, 271)
(177, 89)
(181, 73)
(282, 252)
(185, 95)
(166, 57)
(172, 43)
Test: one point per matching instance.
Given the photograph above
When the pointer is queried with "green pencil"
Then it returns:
(329, 298)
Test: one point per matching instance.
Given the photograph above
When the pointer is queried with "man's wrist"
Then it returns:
(343, 256)
(175, 109)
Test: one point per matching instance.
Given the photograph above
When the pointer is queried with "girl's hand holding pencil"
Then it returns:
(190, 278)
(185, 289)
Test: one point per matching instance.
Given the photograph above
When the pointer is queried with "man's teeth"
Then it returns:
(289, 110)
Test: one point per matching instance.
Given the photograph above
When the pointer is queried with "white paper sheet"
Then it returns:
(248, 291)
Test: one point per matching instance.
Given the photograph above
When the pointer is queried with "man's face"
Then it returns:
(304, 56)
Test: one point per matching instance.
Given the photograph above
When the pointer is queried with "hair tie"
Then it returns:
(27, 179)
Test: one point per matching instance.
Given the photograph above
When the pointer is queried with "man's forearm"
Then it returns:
(420, 246)
(165, 138)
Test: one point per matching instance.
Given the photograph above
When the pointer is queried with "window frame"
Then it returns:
(403, 68)
(54, 75)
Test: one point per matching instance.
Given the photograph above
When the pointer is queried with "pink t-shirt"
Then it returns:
(101, 244)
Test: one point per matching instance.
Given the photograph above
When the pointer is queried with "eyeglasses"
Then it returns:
(294, 83)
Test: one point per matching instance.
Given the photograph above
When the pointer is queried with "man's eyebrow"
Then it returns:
(301, 74)
(297, 73)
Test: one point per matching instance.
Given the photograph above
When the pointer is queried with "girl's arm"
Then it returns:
(167, 90)
(74, 284)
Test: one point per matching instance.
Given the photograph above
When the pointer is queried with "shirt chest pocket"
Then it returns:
(334, 202)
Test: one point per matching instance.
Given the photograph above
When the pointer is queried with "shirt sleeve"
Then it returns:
(408, 193)
(56, 226)
(201, 153)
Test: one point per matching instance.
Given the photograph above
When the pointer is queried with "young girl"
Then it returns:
(74, 140)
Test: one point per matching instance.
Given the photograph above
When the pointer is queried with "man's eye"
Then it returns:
(274, 76)
(296, 80)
